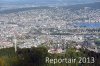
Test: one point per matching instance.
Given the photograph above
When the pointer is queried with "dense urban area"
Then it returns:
(49, 31)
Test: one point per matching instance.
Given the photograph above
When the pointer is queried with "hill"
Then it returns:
(95, 5)
(79, 6)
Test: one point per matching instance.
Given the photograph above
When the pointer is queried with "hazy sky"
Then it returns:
(46, 2)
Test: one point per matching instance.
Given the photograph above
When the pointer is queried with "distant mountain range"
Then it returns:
(95, 5)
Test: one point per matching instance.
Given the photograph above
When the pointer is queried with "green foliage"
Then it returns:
(33, 56)
(8, 57)
(97, 41)
(37, 56)
(23, 57)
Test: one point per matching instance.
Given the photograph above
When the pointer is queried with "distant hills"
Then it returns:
(95, 5)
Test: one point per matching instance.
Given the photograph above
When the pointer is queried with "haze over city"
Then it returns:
(32, 31)
(46, 2)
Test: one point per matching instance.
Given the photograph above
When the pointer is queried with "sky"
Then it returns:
(47, 2)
